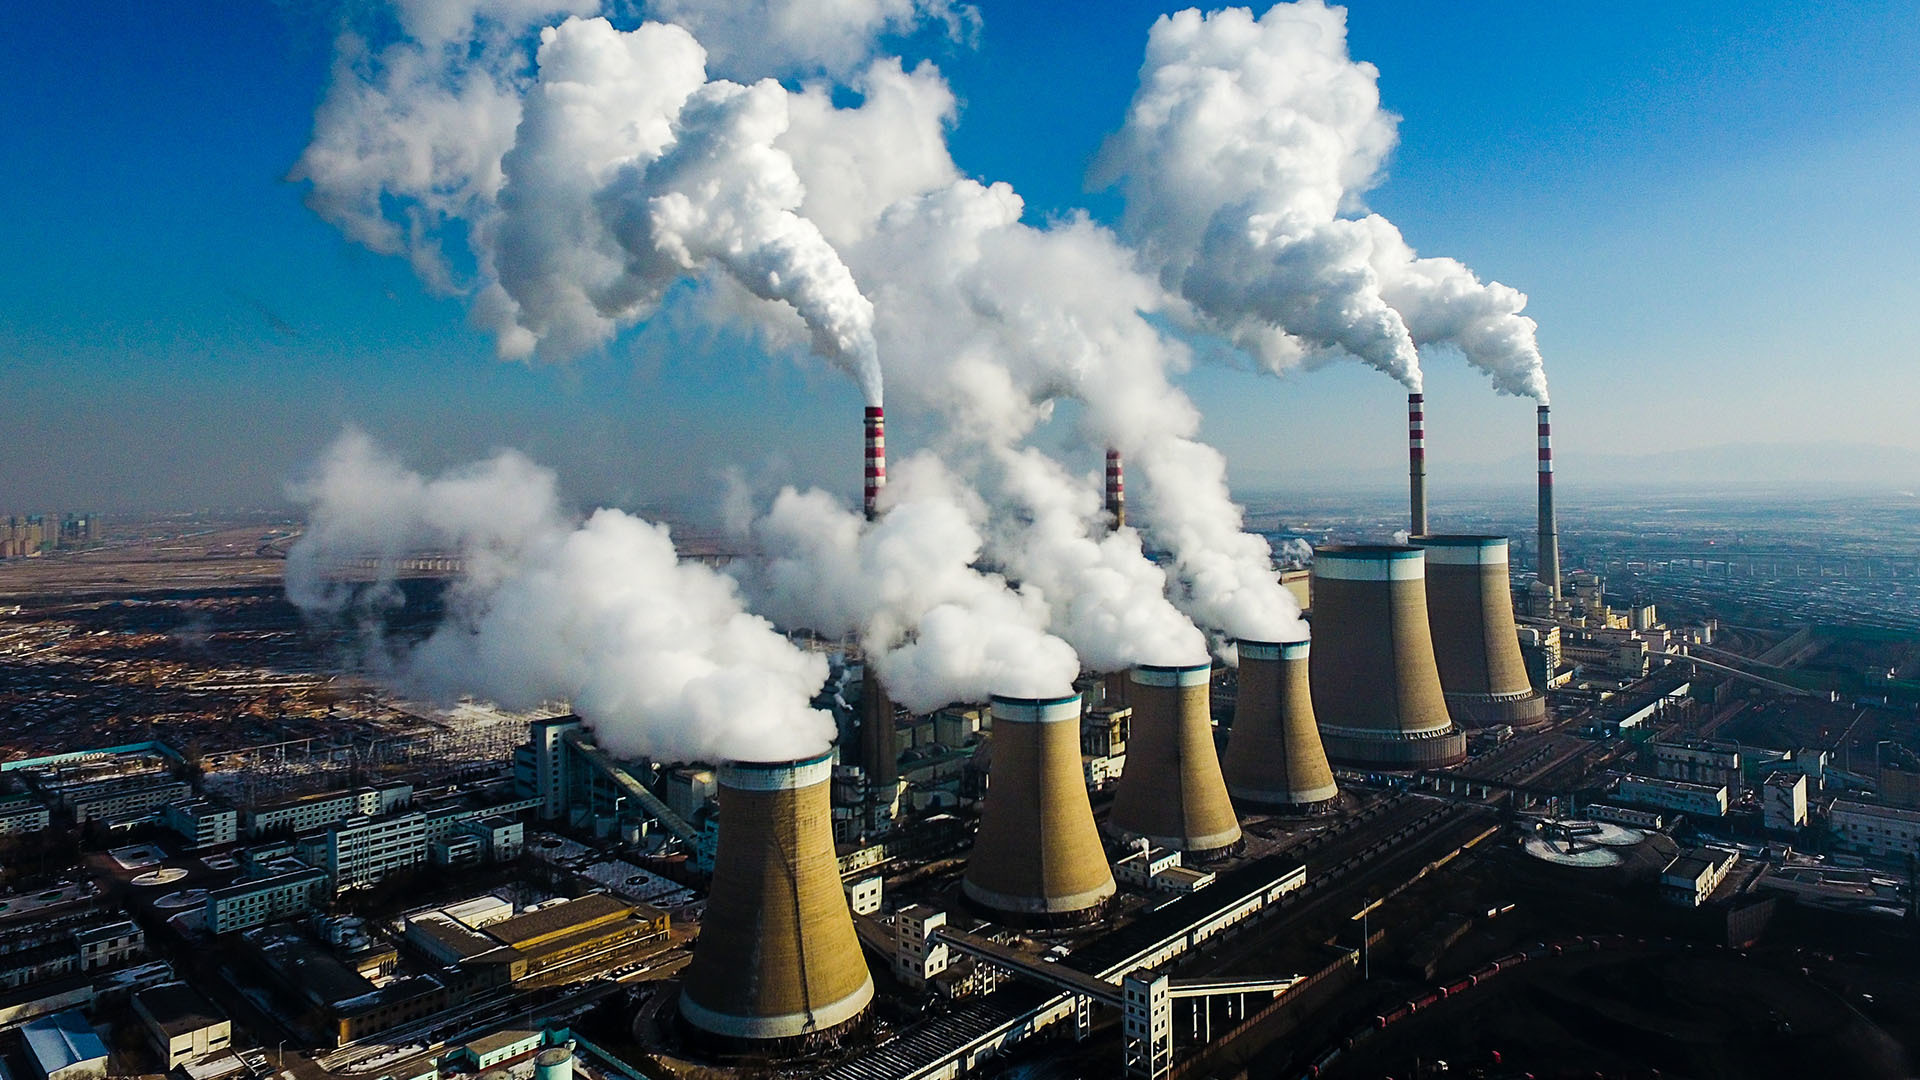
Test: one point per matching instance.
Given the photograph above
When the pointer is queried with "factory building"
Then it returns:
(1716, 764)
(330, 808)
(1879, 831)
(1037, 790)
(291, 890)
(1376, 687)
(1783, 801)
(1274, 756)
(1476, 644)
(65, 1047)
(777, 961)
(361, 852)
(1181, 802)
(1692, 877)
(115, 800)
(1706, 800)
(181, 1023)
(20, 814)
(202, 824)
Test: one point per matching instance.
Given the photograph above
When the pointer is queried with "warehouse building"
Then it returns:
(181, 1023)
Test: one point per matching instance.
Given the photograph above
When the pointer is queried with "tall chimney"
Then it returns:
(1116, 490)
(1037, 858)
(777, 963)
(1172, 792)
(879, 758)
(1470, 610)
(1376, 688)
(1549, 525)
(876, 473)
(1274, 756)
(1417, 460)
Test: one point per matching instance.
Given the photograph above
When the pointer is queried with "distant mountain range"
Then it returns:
(1771, 465)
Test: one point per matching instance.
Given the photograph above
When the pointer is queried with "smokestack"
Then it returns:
(1116, 490)
(1417, 459)
(1470, 609)
(879, 758)
(876, 472)
(1376, 688)
(1172, 793)
(1549, 526)
(1037, 859)
(1274, 756)
(777, 962)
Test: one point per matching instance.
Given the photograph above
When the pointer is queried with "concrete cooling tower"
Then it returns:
(1274, 757)
(1171, 791)
(777, 963)
(1376, 688)
(1470, 609)
(1037, 859)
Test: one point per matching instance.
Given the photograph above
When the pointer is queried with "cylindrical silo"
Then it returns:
(777, 961)
(1475, 642)
(1274, 755)
(1037, 859)
(553, 1063)
(1171, 791)
(1376, 688)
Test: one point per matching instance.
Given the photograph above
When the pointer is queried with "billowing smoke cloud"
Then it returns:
(658, 655)
(939, 629)
(1242, 159)
(586, 192)
(779, 37)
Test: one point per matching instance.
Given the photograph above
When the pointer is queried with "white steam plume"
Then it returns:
(1243, 157)
(658, 655)
(748, 38)
(939, 629)
(586, 191)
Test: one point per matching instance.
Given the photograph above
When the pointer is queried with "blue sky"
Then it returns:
(1713, 207)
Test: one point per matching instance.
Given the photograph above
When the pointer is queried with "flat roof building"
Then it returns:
(182, 1024)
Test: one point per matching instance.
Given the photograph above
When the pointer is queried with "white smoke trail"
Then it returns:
(940, 630)
(587, 190)
(1243, 157)
(657, 654)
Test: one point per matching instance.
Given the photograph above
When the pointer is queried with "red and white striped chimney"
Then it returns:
(1116, 490)
(1417, 460)
(876, 475)
(1549, 525)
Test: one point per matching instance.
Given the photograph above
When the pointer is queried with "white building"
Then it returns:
(20, 814)
(917, 954)
(181, 1023)
(1703, 799)
(1689, 879)
(1783, 801)
(110, 945)
(257, 902)
(363, 851)
(1698, 763)
(1875, 830)
(319, 811)
(863, 895)
(201, 823)
(125, 801)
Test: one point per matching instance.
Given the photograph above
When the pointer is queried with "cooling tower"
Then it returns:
(1417, 459)
(1549, 525)
(1376, 689)
(1037, 859)
(777, 961)
(1274, 757)
(1171, 791)
(875, 476)
(1116, 490)
(1475, 643)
